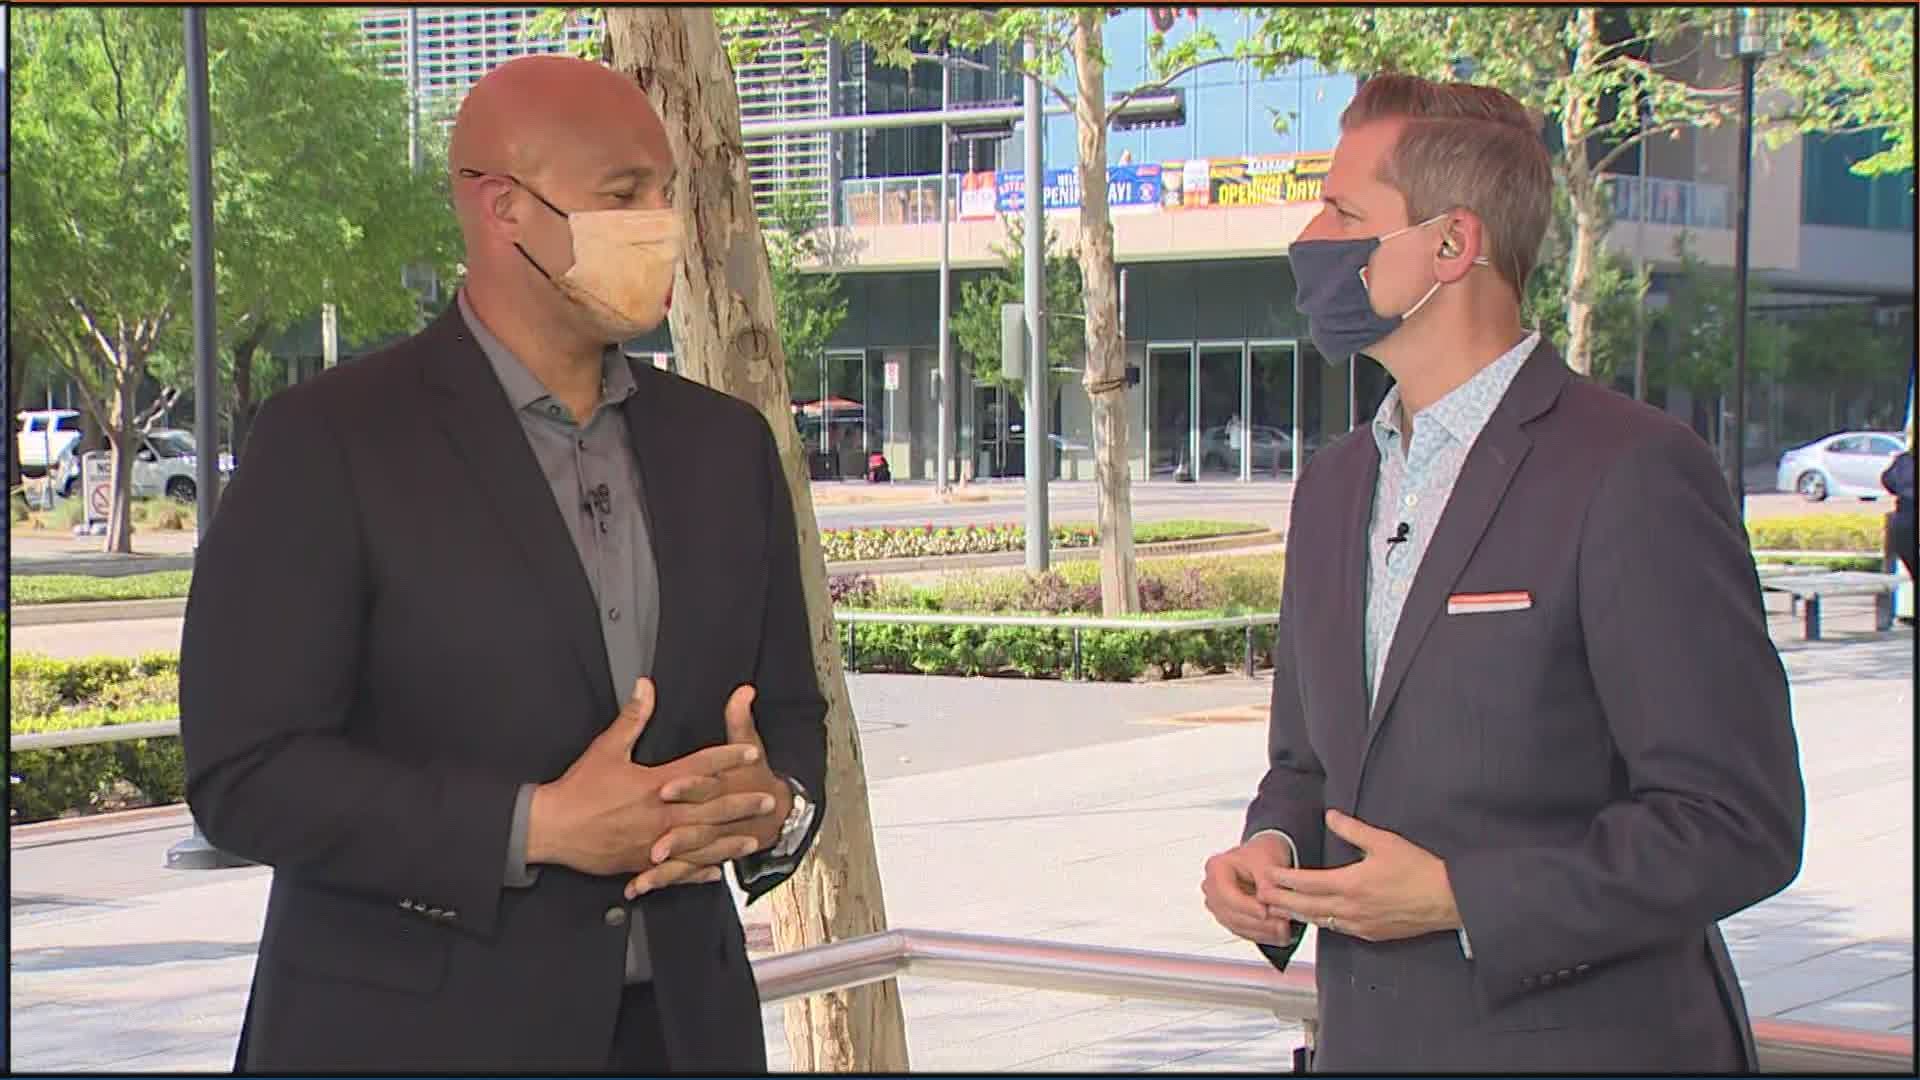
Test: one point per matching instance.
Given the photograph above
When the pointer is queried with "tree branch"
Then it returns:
(1631, 141)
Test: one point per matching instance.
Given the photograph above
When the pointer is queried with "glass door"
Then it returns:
(1224, 442)
(1324, 402)
(1170, 404)
(1273, 425)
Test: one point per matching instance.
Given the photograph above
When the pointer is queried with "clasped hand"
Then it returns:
(669, 824)
(1396, 890)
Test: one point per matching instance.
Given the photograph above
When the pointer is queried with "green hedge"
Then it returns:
(1169, 589)
(60, 695)
(1859, 531)
(1106, 655)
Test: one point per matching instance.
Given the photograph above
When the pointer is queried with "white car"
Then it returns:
(165, 464)
(1846, 465)
(44, 437)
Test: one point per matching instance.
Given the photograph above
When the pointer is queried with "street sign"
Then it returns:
(893, 374)
(96, 485)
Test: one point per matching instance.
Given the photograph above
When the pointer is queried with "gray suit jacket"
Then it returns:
(1607, 773)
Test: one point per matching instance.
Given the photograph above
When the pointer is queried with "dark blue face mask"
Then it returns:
(1332, 293)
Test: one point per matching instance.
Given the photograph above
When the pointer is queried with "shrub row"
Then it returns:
(1858, 531)
(61, 695)
(1105, 655)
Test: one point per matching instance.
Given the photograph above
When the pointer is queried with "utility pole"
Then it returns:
(1038, 371)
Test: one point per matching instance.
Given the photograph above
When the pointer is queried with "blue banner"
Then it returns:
(1128, 187)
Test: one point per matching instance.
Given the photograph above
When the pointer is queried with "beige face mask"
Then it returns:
(623, 264)
(623, 267)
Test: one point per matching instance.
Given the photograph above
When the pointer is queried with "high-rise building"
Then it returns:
(457, 45)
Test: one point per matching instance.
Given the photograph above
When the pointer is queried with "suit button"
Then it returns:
(616, 916)
(1565, 973)
(1582, 969)
(1527, 982)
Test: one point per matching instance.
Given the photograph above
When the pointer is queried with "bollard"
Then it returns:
(194, 853)
(1249, 650)
(1076, 654)
(853, 647)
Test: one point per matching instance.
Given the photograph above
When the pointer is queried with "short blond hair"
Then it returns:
(1468, 147)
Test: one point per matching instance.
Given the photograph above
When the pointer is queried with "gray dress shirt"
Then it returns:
(595, 479)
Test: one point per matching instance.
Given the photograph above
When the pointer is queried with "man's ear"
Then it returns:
(1462, 242)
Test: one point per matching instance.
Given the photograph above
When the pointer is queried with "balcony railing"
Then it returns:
(1659, 201)
(897, 200)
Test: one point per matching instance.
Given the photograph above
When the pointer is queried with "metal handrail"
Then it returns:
(1785, 1046)
(88, 736)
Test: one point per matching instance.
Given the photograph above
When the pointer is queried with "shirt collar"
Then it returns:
(524, 389)
(1465, 410)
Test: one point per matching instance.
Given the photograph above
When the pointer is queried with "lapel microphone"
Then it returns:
(603, 499)
(1399, 534)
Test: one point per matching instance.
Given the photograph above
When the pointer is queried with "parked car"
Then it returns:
(1846, 465)
(1272, 448)
(44, 437)
(165, 464)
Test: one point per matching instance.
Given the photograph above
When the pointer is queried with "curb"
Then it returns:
(101, 826)
(97, 611)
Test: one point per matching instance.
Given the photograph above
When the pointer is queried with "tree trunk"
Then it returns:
(1575, 126)
(123, 440)
(1105, 377)
(243, 406)
(724, 329)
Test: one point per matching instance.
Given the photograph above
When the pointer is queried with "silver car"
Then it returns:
(1846, 465)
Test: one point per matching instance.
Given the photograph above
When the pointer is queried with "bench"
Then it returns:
(1808, 586)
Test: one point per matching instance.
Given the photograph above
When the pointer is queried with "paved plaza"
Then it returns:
(1068, 813)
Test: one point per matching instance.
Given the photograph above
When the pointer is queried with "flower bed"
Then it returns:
(928, 541)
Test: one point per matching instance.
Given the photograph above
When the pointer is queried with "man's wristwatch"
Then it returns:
(794, 829)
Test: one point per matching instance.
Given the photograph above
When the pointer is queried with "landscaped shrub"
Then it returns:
(1819, 532)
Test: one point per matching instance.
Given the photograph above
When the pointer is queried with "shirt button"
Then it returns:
(603, 527)
(1413, 500)
(583, 444)
(615, 916)
(614, 614)
(1399, 587)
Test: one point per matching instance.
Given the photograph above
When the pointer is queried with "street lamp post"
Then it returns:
(944, 400)
(195, 852)
(1747, 38)
(1038, 371)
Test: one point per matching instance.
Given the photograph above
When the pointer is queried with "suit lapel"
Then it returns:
(650, 432)
(1484, 477)
(1350, 584)
(478, 421)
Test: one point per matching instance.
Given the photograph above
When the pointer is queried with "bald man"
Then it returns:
(497, 652)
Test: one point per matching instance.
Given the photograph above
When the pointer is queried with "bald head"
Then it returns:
(536, 140)
(541, 114)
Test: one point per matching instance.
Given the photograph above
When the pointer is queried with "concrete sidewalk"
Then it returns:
(1098, 843)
